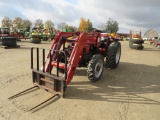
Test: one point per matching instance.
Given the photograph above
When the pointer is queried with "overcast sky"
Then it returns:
(130, 14)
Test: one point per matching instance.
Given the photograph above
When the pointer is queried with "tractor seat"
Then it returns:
(71, 39)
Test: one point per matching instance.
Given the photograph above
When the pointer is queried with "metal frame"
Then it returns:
(42, 77)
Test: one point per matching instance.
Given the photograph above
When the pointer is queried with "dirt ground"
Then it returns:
(129, 92)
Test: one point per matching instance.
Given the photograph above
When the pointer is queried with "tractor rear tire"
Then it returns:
(131, 44)
(135, 41)
(138, 47)
(113, 55)
(9, 41)
(95, 67)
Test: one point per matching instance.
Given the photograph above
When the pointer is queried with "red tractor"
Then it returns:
(6, 39)
(68, 51)
(155, 42)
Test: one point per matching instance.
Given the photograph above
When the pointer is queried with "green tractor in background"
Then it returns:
(35, 36)
(46, 35)
(21, 33)
(26, 35)
(68, 30)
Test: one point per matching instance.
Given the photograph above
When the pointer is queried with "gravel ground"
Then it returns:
(129, 92)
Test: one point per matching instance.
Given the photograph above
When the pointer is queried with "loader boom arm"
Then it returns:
(75, 56)
(56, 45)
(80, 42)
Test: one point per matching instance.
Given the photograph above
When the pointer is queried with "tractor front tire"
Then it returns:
(113, 55)
(95, 67)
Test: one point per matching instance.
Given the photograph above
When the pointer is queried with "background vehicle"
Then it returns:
(7, 39)
(136, 40)
(46, 35)
(35, 37)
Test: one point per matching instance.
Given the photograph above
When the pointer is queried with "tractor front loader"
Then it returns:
(68, 51)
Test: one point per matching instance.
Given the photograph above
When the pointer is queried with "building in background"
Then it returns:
(151, 34)
(123, 36)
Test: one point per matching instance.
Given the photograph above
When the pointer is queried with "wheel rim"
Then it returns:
(118, 55)
(98, 68)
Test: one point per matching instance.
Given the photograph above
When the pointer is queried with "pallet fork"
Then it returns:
(43, 77)
(46, 80)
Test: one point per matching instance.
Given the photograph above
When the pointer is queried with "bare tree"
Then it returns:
(70, 28)
(18, 23)
(49, 25)
(61, 26)
(75, 29)
(27, 24)
(39, 24)
(6, 22)
(101, 26)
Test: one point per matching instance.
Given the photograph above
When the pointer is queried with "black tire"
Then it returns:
(35, 40)
(44, 39)
(138, 47)
(131, 44)
(113, 55)
(95, 67)
(35, 36)
(135, 41)
(9, 41)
